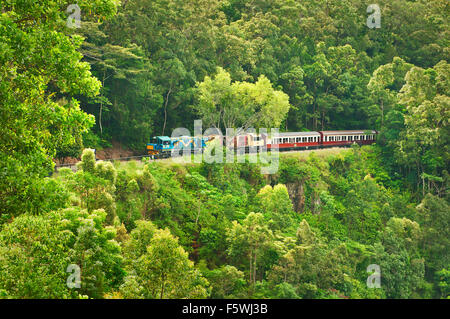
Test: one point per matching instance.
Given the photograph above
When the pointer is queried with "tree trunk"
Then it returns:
(162, 287)
(250, 271)
(254, 269)
(165, 110)
(101, 105)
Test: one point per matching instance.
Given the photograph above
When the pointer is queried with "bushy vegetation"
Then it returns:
(161, 230)
(141, 68)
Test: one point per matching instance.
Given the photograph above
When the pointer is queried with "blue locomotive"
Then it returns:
(163, 146)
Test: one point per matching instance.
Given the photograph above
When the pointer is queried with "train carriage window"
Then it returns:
(350, 138)
(344, 138)
(292, 140)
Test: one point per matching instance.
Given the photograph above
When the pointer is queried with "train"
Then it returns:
(163, 146)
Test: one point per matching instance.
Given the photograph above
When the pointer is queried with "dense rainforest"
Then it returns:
(79, 77)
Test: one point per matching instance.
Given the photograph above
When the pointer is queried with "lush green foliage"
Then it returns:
(162, 230)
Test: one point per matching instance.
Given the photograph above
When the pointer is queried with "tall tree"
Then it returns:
(240, 105)
(39, 62)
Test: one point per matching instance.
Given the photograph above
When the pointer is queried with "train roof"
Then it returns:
(284, 134)
(348, 132)
(163, 138)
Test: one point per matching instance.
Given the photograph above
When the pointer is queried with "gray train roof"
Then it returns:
(284, 134)
(348, 132)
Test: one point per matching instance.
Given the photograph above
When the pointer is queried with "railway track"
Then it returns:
(149, 157)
